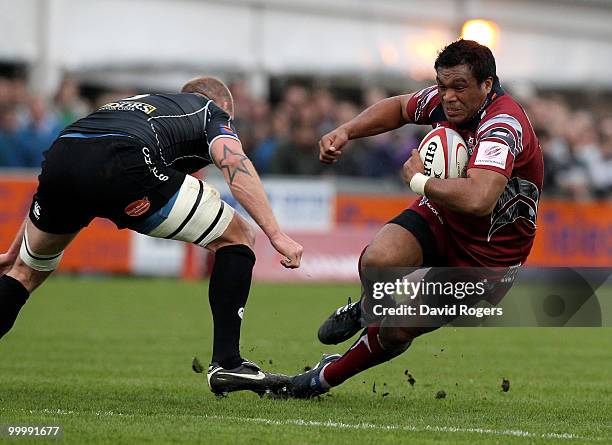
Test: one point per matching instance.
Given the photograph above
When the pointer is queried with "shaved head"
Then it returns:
(214, 89)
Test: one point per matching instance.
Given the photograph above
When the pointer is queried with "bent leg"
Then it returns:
(39, 255)
(196, 214)
(407, 241)
(238, 232)
(393, 246)
(415, 238)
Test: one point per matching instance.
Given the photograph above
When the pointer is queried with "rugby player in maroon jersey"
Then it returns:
(485, 220)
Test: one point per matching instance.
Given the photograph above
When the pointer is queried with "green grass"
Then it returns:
(110, 361)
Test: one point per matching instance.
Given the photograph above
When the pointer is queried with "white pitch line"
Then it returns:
(371, 426)
(341, 425)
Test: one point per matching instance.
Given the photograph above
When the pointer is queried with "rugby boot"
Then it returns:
(309, 384)
(342, 324)
(246, 377)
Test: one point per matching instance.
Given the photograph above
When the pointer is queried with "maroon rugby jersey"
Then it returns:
(499, 138)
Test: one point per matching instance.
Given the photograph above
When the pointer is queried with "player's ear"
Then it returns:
(227, 107)
(488, 84)
(230, 107)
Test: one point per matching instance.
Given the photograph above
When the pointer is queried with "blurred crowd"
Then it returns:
(281, 136)
(29, 123)
(577, 147)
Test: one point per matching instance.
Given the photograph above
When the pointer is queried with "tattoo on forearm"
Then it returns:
(233, 163)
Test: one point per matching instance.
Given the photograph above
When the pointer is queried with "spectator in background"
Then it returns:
(69, 105)
(27, 127)
(245, 122)
(594, 154)
(294, 100)
(243, 99)
(545, 117)
(6, 93)
(381, 159)
(584, 145)
(266, 150)
(325, 103)
(373, 95)
(354, 162)
(552, 167)
(258, 126)
(39, 132)
(12, 153)
(599, 167)
(574, 146)
(577, 145)
(298, 155)
(17, 98)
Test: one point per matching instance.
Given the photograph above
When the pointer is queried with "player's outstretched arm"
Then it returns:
(246, 187)
(474, 195)
(385, 115)
(8, 258)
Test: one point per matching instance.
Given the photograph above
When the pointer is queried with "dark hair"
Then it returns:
(212, 88)
(468, 52)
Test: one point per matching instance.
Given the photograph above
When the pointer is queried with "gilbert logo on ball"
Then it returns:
(444, 154)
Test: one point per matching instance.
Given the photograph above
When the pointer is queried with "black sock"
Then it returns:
(12, 297)
(228, 291)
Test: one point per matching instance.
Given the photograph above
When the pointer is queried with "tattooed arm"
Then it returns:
(245, 185)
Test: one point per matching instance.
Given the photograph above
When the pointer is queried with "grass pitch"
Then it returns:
(109, 360)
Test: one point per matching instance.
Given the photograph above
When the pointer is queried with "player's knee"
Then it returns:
(41, 262)
(379, 256)
(28, 277)
(246, 233)
(371, 257)
(239, 232)
(250, 234)
(395, 339)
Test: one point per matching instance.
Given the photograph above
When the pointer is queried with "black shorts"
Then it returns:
(420, 228)
(112, 177)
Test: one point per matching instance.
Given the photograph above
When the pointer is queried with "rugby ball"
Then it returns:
(444, 154)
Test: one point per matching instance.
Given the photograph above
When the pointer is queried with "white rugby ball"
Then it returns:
(444, 154)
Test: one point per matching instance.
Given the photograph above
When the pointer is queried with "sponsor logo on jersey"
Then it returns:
(425, 201)
(129, 106)
(138, 207)
(492, 153)
(152, 168)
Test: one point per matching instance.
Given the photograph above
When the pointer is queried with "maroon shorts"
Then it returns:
(441, 249)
